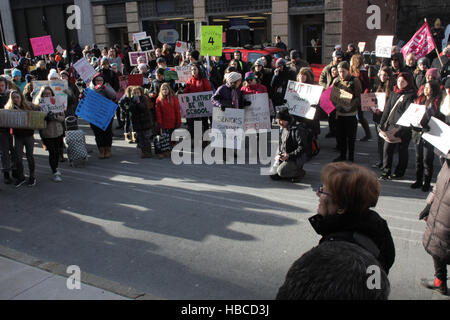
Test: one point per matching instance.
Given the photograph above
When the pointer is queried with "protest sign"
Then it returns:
(58, 86)
(300, 97)
(84, 69)
(257, 115)
(412, 116)
(146, 44)
(445, 106)
(184, 74)
(170, 75)
(383, 46)
(135, 79)
(439, 135)
(340, 97)
(135, 55)
(139, 35)
(211, 40)
(227, 128)
(181, 46)
(195, 105)
(361, 46)
(368, 101)
(122, 87)
(60, 49)
(42, 45)
(96, 109)
(381, 100)
(53, 104)
(325, 101)
(22, 119)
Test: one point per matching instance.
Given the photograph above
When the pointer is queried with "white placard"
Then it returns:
(181, 46)
(439, 135)
(300, 97)
(53, 104)
(184, 74)
(381, 100)
(139, 35)
(361, 46)
(412, 116)
(60, 49)
(196, 105)
(257, 115)
(227, 125)
(84, 69)
(58, 86)
(383, 46)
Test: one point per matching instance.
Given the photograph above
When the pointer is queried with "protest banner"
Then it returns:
(135, 55)
(122, 87)
(42, 45)
(383, 46)
(84, 69)
(300, 98)
(146, 44)
(421, 44)
(181, 46)
(227, 128)
(22, 119)
(58, 86)
(361, 46)
(412, 116)
(96, 109)
(257, 115)
(439, 135)
(53, 104)
(211, 40)
(340, 97)
(325, 101)
(139, 35)
(135, 79)
(195, 105)
(184, 74)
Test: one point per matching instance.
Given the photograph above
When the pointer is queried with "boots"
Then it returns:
(127, 137)
(7, 178)
(426, 184)
(146, 152)
(107, 152)
(133, 137)
(101, 151)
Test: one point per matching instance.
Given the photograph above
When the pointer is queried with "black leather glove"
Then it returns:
(284, 101)
(425, 212)
(246, 103)
(416, 129)
(222, 108)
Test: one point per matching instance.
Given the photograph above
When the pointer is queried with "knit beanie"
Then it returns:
(16, 72)
(259, 62)
(433, 72)
(280, 62)
(53, 74)
(232, 77)
(344, 65)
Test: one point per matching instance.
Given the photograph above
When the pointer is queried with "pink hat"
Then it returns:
(433, 72)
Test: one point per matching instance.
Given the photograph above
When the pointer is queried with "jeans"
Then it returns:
(19, 143)
(388, 155)
(54, 152)
(7, 150)
(380, 142)
(424, 161)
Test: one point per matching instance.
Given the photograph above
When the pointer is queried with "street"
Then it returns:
(196, 231)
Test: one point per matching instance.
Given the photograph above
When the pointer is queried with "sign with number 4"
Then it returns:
(211, 40)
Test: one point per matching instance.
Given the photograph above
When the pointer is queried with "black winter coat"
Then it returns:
(291, 142)
(110, 77)
(368, 223)
(279, 84)
(140, 115)
(401, 107)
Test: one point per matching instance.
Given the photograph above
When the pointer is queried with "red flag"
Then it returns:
(421, 44)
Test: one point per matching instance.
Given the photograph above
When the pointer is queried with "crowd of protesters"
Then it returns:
(153, 109)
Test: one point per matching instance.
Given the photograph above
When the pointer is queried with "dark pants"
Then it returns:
(54, 152)
(28, 143)
(440, 268)
(332, 122)
(8, 153)
(424, 161)
(346, 135)
(388, 155)
(380, 142)
(103, 138)
(363, 122)
(119, 118)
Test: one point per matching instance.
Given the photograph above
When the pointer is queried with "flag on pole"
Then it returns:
(421, 44)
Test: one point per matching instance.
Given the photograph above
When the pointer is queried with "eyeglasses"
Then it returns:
(320, 191)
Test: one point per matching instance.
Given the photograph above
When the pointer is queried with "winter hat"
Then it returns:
(195, 54)
(250, 76)
(338, 46)
(259, 62)
(295, 54)
(28, 78)
(424, 61)
(338, 54)
(283, 114)
(142, 66)
(433, 72)
(344, 65)
(53, 74)
(103, 60)
(16, 72)
(64, 72)
(160, 60)
(280, 62)
(447, 83)
(232, 77)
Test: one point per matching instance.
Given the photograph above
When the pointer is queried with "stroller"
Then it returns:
(76, 143)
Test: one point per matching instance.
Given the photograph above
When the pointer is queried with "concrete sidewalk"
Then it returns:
(19, 281)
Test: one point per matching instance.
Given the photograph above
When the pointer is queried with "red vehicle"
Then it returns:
(251, 55)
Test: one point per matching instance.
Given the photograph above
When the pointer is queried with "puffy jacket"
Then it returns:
(197, 85)
(279, 84)
(140, 114)
(168, 114)
(254, 89)
(223, 97)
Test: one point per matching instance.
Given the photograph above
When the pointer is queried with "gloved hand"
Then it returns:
(284, 101)
(222, 108)
(246, 103)
(425, 212)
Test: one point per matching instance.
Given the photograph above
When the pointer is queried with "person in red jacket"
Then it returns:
(168, 115)
(251, 85)
(197, 83)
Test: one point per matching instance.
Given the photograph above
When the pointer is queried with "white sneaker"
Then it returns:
(57, 177)
(57, 173)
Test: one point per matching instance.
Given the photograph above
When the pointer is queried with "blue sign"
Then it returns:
(96, 109)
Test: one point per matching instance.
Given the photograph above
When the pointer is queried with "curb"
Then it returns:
(87, 278)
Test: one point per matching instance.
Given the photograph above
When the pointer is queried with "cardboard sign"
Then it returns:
(135, 55)
(22, 119)
(227, 128)
(135, 79)
(383, 46)
(211, 40)
(84, 69)
(195, 105)
(146, 44)
(42, 45)
(300, 98)
(184, 74)
(412, 116)
(58, 86)
(340, 97)
(122, 87)
(53, 104)
(257, 115)
(361, 46)
(373, 101)
(96, 109)
(138, 36)
(439, 135)
(325, 101)
(181, 46)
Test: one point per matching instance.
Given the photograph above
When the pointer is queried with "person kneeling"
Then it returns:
(289, 162)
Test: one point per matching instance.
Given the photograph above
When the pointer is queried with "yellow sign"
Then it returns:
(211, 41)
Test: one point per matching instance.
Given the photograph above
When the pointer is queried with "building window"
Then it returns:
(166, 8)
(227, 6)
(305, 3)
(116, 13)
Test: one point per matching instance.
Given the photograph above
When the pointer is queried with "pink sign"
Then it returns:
(42, 45)
(325, 101)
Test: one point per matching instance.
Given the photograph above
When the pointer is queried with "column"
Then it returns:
(100, 30)
(7, 22)
(133, 24)
(280, 20)
(333, 27)
(199, 17)
(86, 33)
